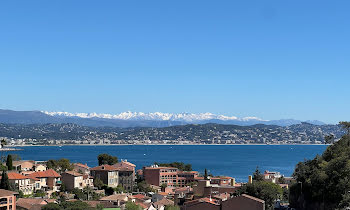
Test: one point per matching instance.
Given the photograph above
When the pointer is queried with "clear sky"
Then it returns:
(272, 59)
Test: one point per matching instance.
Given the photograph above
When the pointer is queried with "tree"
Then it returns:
(39, 193)
(163, 186)
(257, 176)
(9, 162)
(329, 139)
(98, 183)
(264, 190)
(132, 206)
(172, 208)
(324, 180)
(60, 165)
(64, 165)
(119, 189)
(73, 205)
(104, 159)
(346, 126)
(4, 184)
(205, 174)
(281, 180)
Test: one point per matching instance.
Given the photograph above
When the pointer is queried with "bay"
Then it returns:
(237, 161)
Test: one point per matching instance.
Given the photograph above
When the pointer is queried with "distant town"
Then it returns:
(63, 134)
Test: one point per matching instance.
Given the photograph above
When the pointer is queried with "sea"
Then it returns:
(238, 161)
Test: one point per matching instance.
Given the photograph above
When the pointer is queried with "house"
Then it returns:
(7, 199)
(118, 199)
(169, 176)
(28, 165)
(126, 178)
(72, 179)
(81, 168)
(23, 165)
(50, 180)
(25, 184)
(108, 174)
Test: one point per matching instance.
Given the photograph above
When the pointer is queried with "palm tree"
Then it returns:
(346, 125)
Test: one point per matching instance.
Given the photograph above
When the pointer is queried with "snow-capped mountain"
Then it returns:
(156, 116)
(135, 119)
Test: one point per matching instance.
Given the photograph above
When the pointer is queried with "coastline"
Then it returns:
(10, 146)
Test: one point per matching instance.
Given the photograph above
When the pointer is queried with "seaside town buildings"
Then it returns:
(169, 186)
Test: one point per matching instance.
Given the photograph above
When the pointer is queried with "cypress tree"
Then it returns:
(9, 162)
(4, 183)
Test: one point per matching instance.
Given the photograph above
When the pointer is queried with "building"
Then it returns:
(108, 174)
(223, 181)
(81, 168)
(25, 184)
(28, 165)
(243, 202)
(72, 179)
(49, 180)
(170, 176)
(126, 178)
(7, 199)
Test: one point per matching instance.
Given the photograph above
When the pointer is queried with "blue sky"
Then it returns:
(271, 59)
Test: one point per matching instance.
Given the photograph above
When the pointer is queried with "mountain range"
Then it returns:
(136, 119)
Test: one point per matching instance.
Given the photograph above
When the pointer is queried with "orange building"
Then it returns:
(170, 176)
(7, 199)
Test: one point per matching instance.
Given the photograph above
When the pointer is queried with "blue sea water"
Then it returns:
(237, 161)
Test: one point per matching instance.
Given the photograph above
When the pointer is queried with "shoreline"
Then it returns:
(10, 146)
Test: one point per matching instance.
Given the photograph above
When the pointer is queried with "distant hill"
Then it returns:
(135, 119)
(196, 133)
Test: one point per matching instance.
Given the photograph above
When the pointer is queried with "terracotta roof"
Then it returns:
(73, 173)
(104, 168)
(82, 165)
(139, 196)
(202, 200)
(87, 176)
(124, 169)
(164, 202)
(4, 193)
(126, 162)
(45, 174)
(16, 176)
(116, 197)
(157, 168)
(224, 177)
(31, 203)
(253, 198)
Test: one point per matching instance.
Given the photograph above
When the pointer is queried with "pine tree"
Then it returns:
(9, 162)
(205, 174)
(4, 183)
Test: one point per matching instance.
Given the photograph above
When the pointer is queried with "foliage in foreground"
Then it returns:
(324, 182)
(267, 191)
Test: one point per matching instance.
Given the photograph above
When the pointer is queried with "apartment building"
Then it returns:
(72, 179)
(7, 199)
(170, 176)
(108, 174)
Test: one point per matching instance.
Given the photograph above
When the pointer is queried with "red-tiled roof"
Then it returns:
(104, 168)
(4, 193)
(45, 174)
(16, 176)
(253, 198)
(82, 165)
(139, 196)
(73, 173)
